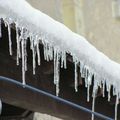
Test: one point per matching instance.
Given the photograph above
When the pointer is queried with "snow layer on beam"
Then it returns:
(58, 38)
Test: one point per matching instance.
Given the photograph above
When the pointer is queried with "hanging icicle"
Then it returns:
(63, 60)
(75, 73)
(33, 48)
(109, 91)
(82, 69)
(95, 88)
(23, 38)
(76, 78)
(18, 45)
(9, 36)
(89, 82)
(38, 53)
(86, 76)
(36, 49)
(93, 104)
(56, 69)
(45, 50)
(25, 54)
(116, 106)
(23, 61)
(103, 88)
(0, 27)
(48, 51)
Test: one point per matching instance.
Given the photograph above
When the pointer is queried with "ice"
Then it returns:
(116, 107)
(76, 73)
(56, 69)
(35, 52)
(93, 107)
(25, 54)
(63, 60)
(23, 38)
(23, 61)
(18, 45)
(95, 89)
(93, 103)
(103, 88)
(109, 90)
(38, 53)
(48, 51)
(9, 36)
(89, 82)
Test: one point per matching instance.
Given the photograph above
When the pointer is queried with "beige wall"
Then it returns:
(101, 29)
(68, 14)
(50, 7)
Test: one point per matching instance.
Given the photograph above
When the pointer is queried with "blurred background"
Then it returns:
(97, 20)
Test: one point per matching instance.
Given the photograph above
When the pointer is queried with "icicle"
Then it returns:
(81, 67)
(108, 89)
(18, 45)
(88, 93)
(34, 56)
(38, 53)
(10, 41)
(0, 28)
(82, 70)
(116, 106)
(89, 82)
(25, 54)
(76, 78)
(103, 82)
(56, 70)
(75, 73)
(37, 49)
(33, 48)
(63, 59)
(95, 88)
(109, 96)
(48, 51)
(93, 105)
(45, 50)
(23, 61)
(23, 38)
(85, 72)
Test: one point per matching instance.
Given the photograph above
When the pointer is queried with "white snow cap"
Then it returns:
(58, 38)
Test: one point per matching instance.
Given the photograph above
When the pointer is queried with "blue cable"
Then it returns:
(54, 97)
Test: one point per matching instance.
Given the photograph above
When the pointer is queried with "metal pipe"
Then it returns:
(54, 97)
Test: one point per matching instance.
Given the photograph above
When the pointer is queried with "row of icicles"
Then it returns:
(59, 58)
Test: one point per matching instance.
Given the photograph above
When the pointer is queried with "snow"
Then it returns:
(58, 40)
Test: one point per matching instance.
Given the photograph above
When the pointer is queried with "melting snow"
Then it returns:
(58, 40)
